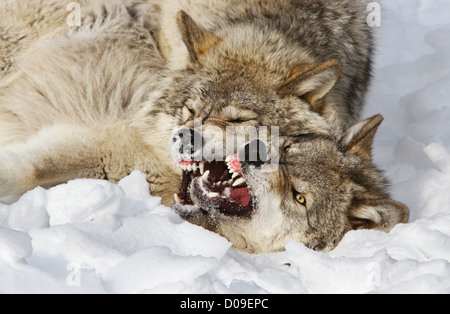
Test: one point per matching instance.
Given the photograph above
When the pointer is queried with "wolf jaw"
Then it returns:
(215, 185)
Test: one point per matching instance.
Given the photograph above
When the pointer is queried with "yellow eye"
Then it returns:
(300, 199)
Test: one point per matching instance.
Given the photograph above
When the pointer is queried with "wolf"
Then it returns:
(323, 188)
(102, 99)
(160, 69)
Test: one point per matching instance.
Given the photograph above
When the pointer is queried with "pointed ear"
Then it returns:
(359, 138)
(378, 214)
(197, 39)
(311, 82)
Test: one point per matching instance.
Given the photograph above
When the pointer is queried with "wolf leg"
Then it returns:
(54, 155)
(61, 153)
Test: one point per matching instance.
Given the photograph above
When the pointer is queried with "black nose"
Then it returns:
(190, 141)
(255, 153)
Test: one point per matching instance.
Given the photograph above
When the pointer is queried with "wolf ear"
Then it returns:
(312, 82)
(379, 214)
(197, 39)
(359, 138)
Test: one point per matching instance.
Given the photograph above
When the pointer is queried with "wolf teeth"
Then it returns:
(177, 199)
(205, 176)
(191, 168)
(184, 167)
(201, 167)
(239, 182)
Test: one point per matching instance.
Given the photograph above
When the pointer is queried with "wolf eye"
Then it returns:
(300, 199)
(287, 148)
(238, 120)
(190, 110)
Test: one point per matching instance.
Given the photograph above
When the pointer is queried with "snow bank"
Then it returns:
(91, 236)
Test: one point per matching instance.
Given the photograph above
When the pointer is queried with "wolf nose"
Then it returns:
(255, 153)
(190, 141)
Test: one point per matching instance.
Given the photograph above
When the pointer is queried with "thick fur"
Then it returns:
(73, 106)
(272, 41)
(103, 99)
(339, 186)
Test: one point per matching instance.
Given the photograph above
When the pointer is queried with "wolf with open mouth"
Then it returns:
(102, 99)
(321, 189)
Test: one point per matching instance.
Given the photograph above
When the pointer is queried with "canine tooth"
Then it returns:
(205, 176)
(239, 182)
(212, 195)
(235, 174)
(230, 181)
(177, 199)
(201, 166)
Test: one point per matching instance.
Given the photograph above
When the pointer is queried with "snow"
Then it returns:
(90, 236)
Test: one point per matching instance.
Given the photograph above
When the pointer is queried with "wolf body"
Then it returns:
(102, 99)
(72, 103)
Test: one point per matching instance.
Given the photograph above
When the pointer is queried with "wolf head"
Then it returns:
(321, 189)
(249, 76)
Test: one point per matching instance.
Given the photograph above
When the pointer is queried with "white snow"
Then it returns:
(91, 236)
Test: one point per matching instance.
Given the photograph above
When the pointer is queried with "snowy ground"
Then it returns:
(95, 237)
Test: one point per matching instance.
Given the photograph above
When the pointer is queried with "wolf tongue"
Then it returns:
(241, 196)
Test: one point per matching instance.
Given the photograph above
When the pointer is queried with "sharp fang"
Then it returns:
(230, 181)
(235, 175)
(205, 176)
(239, 182)
(201, 166)
(177, 199)
(213, 195)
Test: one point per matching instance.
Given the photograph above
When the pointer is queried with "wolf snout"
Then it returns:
(254, 153)
(186, 144)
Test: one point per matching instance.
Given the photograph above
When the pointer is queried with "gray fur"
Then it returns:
(102, 99)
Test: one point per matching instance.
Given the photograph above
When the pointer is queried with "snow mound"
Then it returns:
(90, 236)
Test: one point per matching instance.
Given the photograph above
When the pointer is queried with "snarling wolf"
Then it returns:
(322, 188)
(103, 98)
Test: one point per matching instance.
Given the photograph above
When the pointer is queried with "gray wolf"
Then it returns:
(102, 99)
(323, 188)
